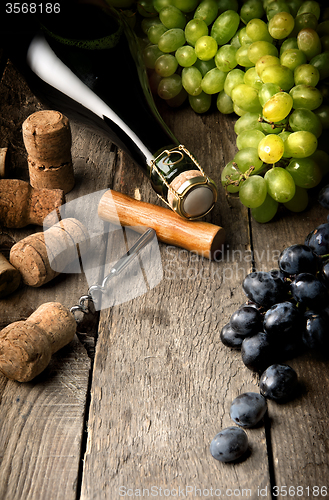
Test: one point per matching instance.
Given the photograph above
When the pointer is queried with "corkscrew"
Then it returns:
(83, 305)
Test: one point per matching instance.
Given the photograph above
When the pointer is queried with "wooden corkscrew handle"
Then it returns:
(204, 238)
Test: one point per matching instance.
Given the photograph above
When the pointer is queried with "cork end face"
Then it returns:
(198, 201)
(192, 195)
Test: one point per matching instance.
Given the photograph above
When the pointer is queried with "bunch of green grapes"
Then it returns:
(267, 61)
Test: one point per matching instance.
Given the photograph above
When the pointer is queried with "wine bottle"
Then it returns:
(85, 62)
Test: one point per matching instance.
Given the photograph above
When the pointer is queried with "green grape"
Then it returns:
(243, 36)
(323, 28)
(253, 191)
(309, 42)
(305, 172)
(300, 144)
(213, 81)
(270, 148)
(292, 58)
(186, 5)
(281, 75)
(267, 91)
(160, 4)
(305, 96)
(235, 41)
(284, 135)
(322, 112)
(207, 10)
(170, 86)
(231, 173)
(185, 56)
(281, 25)
(288, 43)
(150, 55)
(225, 26)
(233, 78)
(265, 62)
(200, 103)
(310, 6)
(191, 80)
(242, 58)
(248, 121)
(252, 78)
(299, 201)
(194, 29)
(246, 98)
(225, 58)
(171, 17)
(147, 22)
(249, 139)
(153, 80)
(306, 20)
(280, 185)
(224, 5)
(178, 100)
(204, 66)
(251, 9)
(171, 40)
(266, 211)
(294, 5)
(256, 50)
(224, 103)
(305, 119)
(155, 32)
(276, 7)
(325, 43)
(321, 158)
(306, 74)
(166, 65)
(321, 63)
(277, 107)
(246, 158)
(257, 30)
(205, 48)
(145, 8)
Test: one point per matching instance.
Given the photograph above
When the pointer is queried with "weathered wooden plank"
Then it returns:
(162, 381)
(42, 422)
(298, 429)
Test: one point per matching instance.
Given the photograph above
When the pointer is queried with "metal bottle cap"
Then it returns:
(191, 194)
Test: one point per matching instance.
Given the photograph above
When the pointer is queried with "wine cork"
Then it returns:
(41, 257)
(26, 346)
(47, 139)
(10, 277)
(21, 204)
(3, 162)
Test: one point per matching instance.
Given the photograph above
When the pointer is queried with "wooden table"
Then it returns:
(130, 407)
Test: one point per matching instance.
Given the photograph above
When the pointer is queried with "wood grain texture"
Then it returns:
(162, 381)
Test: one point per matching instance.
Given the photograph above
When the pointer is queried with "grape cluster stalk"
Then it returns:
(264, 61)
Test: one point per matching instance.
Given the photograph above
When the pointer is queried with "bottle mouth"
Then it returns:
(194, 197)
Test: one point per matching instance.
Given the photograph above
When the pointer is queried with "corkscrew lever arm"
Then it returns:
(126, 259)
(118, 267)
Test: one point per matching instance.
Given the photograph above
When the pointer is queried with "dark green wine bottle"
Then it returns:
(85, 62)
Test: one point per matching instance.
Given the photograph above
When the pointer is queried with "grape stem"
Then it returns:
(242, 177)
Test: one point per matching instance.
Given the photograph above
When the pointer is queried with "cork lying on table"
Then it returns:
(21, 204)
(26, 346)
